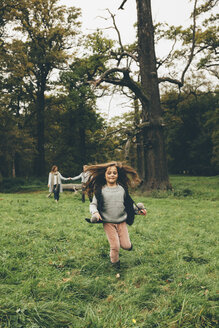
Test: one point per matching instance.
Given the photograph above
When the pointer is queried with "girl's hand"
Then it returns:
(142, 212)
(96, 217)
(141, 209)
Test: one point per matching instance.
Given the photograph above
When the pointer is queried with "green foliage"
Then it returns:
(15, 142)
(122, 133)
(73, 132)
(212, 123)
(9, 185)
(55, 269)
(202, 37)
(47, 29)
(27, 62)
(191, 135)
(78, 123)
(98, 44)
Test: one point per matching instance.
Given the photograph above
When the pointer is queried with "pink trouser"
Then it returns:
(118, 236)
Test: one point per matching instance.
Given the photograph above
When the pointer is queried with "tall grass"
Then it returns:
(55, 270)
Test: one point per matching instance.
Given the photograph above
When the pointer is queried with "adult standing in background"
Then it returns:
(84, 176)
(55, 182)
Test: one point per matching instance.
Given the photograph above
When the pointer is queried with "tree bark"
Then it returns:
(82, 137)
(156, 174)
(40, 109)
(139, 142)
(82, 145)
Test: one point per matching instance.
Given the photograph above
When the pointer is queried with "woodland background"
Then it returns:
(54, 266)
(48, 98)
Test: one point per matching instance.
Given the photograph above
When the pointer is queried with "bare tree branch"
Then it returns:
(168, 79)
(122, 5)
(212, 64)
(191, 56)
(123, 53)
(128, 54)
(125, 81)
(117, 30)
(180, 83)
(161, 62)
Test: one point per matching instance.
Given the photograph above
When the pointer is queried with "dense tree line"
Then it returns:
(45, 120)
(38, 128)
(192, 136)
(191, 133)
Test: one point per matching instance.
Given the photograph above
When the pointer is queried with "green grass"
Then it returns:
(10, 185)
(55, 272)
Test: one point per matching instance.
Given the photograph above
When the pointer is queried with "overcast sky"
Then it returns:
(174, 12)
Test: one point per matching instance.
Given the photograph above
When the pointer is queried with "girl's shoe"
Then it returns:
(116, 265)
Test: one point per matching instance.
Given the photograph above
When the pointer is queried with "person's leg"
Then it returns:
(124, 239)
(56, 190)
(83, 193)
(113, 238)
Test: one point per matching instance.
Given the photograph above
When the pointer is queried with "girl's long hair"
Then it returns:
(127, 176)
(53, 168)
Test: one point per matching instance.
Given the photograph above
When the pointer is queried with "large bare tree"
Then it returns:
(153, 166)
(154, 172)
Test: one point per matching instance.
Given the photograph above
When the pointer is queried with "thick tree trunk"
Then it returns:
(139, 142)
(13, 169)
(140, 156)
(156, 174)
(17, 157)
(82, 136)
(40, 108)
(17, 162)
(83, 154)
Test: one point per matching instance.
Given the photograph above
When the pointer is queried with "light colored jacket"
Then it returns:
(59, 177)
(84, 176)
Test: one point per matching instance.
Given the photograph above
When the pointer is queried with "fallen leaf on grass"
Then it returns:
(188, 276)
(138, 285)
(206, 292)
(109, 298)
(166, 288)
(66, 279)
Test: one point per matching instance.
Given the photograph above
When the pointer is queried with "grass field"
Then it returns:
(55, 271)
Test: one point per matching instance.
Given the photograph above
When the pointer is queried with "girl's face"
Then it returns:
(111, 176)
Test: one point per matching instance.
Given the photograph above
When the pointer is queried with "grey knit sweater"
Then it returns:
(113, 205)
